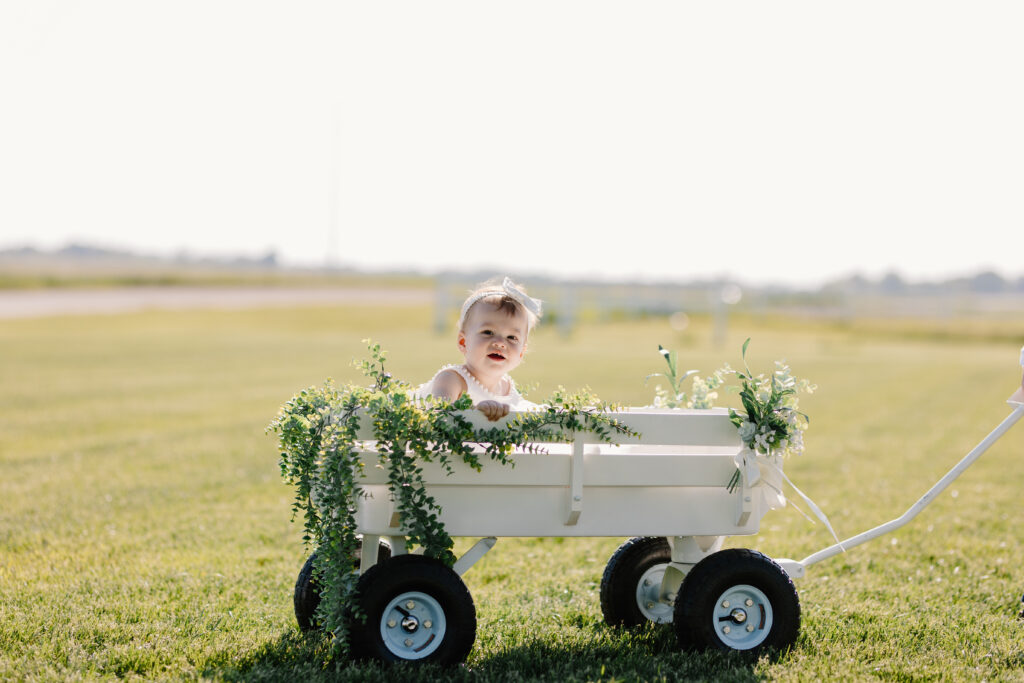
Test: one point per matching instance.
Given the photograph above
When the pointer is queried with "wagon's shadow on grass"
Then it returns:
(649, 654)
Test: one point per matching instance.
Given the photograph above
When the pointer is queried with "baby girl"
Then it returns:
(493, 327)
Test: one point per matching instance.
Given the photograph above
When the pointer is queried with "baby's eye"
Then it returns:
(513, 337)
(486, 332)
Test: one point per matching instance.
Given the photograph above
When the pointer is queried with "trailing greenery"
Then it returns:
(322, 457)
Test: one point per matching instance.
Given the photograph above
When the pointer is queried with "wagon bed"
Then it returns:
(670, 480)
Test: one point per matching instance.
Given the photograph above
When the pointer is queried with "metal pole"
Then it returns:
(925, 499)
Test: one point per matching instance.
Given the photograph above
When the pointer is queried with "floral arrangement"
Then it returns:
(771, 422)
(321, 456)
(702, 394)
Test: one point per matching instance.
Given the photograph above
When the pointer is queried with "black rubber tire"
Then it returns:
(407, 574)
(307, 592)
(695, 621)
(623, 574)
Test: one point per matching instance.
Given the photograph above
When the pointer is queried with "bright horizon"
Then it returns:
(790, 143)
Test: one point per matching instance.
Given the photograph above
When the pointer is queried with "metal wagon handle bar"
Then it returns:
(927, 498)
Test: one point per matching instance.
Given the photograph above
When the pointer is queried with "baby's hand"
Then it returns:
(492, 409)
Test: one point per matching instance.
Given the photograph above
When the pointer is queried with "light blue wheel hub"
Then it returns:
(648, 596)
(742, 617)
(412, 625)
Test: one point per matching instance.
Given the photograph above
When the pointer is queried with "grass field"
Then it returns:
(145, 531)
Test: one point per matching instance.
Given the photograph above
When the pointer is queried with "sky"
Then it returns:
(767, 142)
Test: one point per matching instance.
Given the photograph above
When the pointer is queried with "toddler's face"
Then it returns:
(492, 340)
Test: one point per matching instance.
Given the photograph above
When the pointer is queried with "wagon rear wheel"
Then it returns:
(417, 609)
(307, 591)
(631, 584)
(737, 600)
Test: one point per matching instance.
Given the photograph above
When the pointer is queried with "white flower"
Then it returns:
(704, 402)
(703, 397)
(659, 396)
(796, 442)
(764, 438)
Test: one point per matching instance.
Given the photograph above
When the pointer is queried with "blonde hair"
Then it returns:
(507, 297)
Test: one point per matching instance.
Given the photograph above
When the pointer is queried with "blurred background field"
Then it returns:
(144, 529)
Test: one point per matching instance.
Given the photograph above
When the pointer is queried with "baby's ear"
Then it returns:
(460, 341)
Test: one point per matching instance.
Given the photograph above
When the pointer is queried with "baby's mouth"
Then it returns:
(495, 356)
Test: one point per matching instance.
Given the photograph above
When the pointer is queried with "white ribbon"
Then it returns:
(509, 289)
(760, 472)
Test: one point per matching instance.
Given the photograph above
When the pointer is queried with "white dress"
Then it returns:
(478, 392)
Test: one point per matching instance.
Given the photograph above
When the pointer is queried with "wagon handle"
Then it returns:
(796, 569)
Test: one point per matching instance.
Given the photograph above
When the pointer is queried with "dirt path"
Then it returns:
(48, 302)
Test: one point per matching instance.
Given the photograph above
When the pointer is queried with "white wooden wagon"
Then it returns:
(665, 489)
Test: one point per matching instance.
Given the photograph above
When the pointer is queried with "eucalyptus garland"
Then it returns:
(322, 458)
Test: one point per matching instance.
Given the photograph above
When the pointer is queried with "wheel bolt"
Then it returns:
(748, 602)
(410, 605)
(725, 604)
(726, 630)
(392, 623)
(647, 582)
(750, 628)
(427, 624)
(408, 642)
(650, 605)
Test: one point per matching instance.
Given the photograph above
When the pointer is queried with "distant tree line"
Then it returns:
(892, 283)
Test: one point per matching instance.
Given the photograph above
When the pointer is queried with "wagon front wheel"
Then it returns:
(416, 609)
(631, 584)
(737, 600)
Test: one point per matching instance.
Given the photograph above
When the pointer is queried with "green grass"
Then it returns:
(145, 531)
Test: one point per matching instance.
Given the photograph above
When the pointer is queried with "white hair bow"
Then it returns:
(509, 289)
